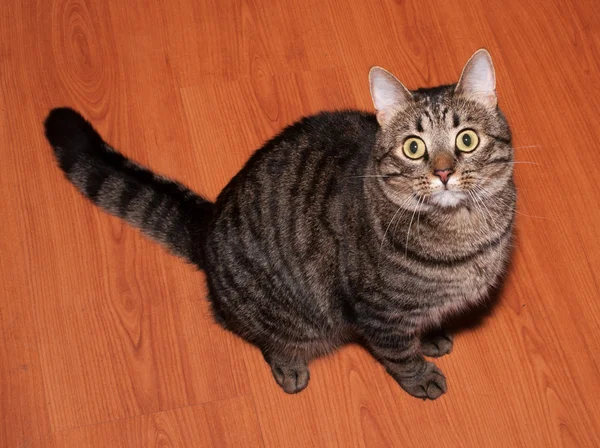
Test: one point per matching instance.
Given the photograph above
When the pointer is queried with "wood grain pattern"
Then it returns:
(106, 340)
(208, 424)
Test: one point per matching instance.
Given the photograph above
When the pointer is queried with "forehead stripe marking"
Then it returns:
(420, 124)
(455, 120)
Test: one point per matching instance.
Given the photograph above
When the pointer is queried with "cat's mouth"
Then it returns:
(448, 198)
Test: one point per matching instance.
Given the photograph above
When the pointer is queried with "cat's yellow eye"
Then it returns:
(467, 141)
(414, 148)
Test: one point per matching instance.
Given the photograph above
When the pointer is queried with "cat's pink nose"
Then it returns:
(443, 175)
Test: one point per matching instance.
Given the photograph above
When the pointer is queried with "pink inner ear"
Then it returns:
(382, 117)
(388, 94)
(478, 78)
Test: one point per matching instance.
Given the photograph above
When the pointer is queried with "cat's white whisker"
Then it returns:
(482, 202)
(494, 198)
(419, 217)
(525, 147)
(410, 225)
(401, 207)
(526, 162)
(475, 204)
(400, 217)
(370, 175)
(533, 216)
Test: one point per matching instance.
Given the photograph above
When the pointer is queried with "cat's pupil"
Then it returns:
(466, 140)
(414, 147)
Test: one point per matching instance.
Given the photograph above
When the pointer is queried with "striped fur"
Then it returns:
(162, 209)
(328, 234)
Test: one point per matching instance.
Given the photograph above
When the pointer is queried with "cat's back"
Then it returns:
(339, 135)
(306, 163)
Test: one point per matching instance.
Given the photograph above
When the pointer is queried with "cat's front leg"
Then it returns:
(402, 358)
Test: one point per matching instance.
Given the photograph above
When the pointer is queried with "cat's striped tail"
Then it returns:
(163, 209)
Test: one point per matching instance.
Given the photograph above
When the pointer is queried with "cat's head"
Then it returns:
(442, 147)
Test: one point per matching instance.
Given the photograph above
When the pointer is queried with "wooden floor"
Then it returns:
(106, 340)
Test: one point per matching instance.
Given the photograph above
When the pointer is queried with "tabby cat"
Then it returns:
(347, 226)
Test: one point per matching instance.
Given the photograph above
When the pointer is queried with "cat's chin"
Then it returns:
(448, 199)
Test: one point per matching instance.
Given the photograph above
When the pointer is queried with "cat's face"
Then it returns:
(444, 147)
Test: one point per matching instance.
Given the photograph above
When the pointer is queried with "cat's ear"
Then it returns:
(389, 95)
(478, 79)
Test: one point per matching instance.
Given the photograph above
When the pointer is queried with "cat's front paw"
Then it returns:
(292, 377)
(428, 385)
(437, 344)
